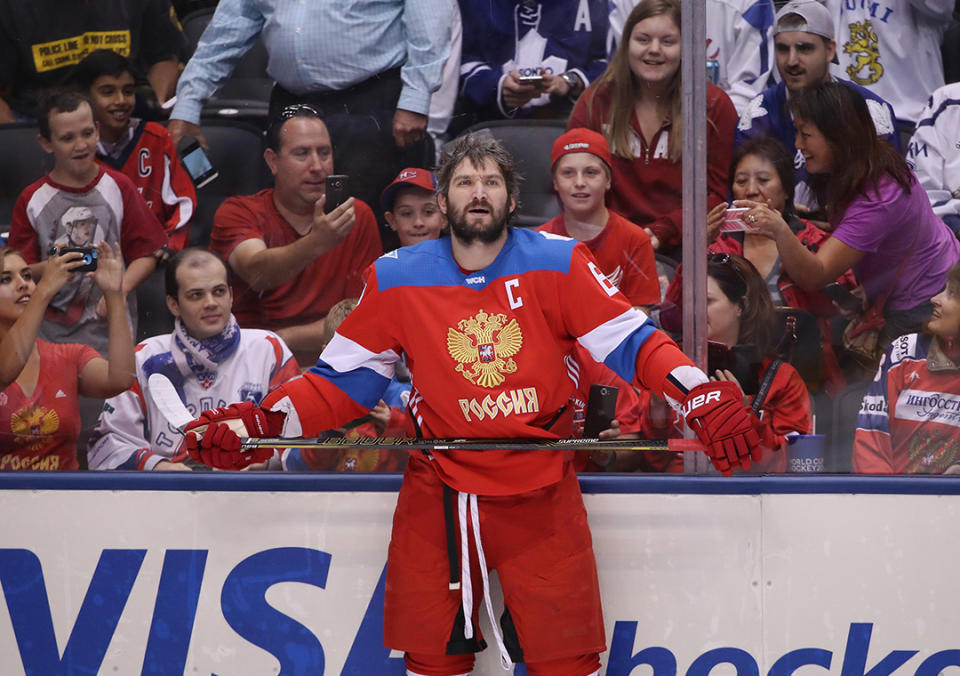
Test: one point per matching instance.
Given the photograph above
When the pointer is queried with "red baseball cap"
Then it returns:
(411, 176)
(581, 140)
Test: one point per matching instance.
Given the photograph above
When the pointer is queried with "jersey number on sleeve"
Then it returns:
(602, 279)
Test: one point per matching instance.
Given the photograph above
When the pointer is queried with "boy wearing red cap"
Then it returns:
(581, 178)
(410, 206)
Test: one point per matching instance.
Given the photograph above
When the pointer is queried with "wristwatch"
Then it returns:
(573, 81)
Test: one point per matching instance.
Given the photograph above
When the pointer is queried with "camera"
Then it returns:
(90, 256)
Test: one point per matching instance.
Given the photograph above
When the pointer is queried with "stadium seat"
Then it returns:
(236, 152)
(530, 142)
(846, 408)
(21, 163)
(246, 94)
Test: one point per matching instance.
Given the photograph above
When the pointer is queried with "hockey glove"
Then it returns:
(729, 430)
(213, 438)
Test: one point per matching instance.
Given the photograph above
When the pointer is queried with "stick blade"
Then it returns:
(165, 396)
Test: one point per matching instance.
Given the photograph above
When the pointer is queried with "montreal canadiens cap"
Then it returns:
(815, 16)
(581, 140)
(411, 176)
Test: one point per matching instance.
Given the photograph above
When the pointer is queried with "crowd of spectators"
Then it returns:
(832, 156)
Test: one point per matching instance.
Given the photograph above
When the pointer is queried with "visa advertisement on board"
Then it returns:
(249, 583)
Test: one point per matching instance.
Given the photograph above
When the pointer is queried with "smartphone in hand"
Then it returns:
(841, 296)
(197, 164)
(90, 256)
(337, 191)
(733, 221)
(601, 409)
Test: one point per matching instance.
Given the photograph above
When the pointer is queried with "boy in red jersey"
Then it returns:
(141, 150)
(581, 178)
(485, 318)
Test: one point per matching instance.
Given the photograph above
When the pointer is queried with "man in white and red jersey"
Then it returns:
(290, 262)
(485, 318)
(209, 359)
(79, 200)
(580, 163)
(141, 150)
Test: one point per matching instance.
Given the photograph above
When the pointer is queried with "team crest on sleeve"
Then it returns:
(484, 346)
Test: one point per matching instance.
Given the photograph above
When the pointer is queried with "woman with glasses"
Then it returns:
(635, 104)
(909, 419)
(739, 313)
(883, 227)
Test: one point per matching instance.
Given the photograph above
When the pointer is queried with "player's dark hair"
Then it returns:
(97, 64)
(61, 101)
(742, 284)
(774, 152)
(860, 157)
(272, 135)
(478, 147)
(187, 256)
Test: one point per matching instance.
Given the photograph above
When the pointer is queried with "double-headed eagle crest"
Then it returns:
(484, 347)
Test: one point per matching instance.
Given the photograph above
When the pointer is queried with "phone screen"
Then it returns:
(198, 165)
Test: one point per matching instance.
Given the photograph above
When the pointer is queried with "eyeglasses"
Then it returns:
(295, 109)
(727, 261)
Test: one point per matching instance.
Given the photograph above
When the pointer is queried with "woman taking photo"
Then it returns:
(762, 171)
(883, 226)
(739, 312)
(909, 419)
(40, 381)
(635, 104)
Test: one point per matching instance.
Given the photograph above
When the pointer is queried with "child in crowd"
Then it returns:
(141, 150)
(410, 206)
(80, 200)
(580, 163)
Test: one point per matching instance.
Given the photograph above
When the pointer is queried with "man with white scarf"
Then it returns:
(209, 359)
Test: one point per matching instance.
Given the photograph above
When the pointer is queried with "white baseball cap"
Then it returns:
(816, 20)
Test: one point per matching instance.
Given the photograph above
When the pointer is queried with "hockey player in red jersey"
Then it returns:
(485, 318)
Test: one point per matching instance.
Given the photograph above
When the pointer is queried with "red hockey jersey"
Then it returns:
(150, 160)
(909, 420)
(625, 255)
(486, 353)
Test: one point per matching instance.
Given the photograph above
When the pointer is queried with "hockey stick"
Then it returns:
(165, 396)
(509, 444)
